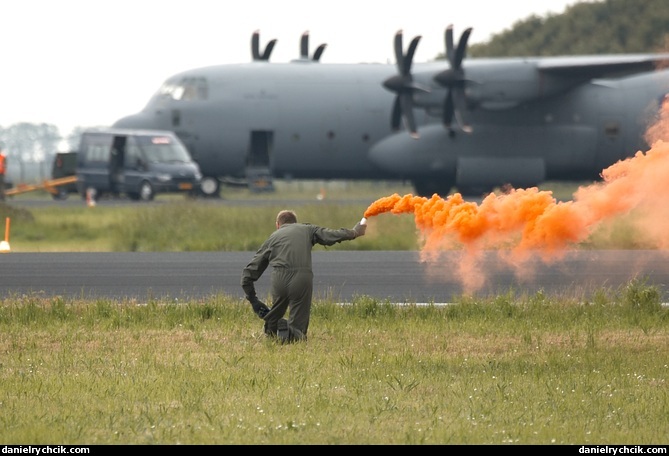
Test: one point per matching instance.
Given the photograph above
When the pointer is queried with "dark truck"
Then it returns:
(137, 163)
(64, 165)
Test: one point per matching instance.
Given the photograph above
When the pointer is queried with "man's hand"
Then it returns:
(359, 229)
(258, 306)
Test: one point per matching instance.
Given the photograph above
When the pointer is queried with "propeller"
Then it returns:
(304, 48)
(255, 47)
(404, 86)
(453, 78)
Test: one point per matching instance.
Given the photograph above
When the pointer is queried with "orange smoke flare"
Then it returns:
(526, 221)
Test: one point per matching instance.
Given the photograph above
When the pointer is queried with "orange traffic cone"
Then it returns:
(4, 245)
(90, 197)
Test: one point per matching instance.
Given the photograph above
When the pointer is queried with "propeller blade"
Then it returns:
(268, 50)
(255, 47)
(453, 79)
(396, 116)
(399, 54)
(462, 48)
(408, 58)
(463, 125)
(460, 103)
(319, 52)
(304, 45)
(407, 110)
(304, 48)
(448, 109)
(449, 43)
(404, 86)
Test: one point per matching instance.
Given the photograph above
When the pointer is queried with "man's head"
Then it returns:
(285, 217)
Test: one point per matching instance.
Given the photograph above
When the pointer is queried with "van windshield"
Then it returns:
(163, 149)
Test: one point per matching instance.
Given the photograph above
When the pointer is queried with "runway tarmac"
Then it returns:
(393, 276)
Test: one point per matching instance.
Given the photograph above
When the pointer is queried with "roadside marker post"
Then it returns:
(4, 245)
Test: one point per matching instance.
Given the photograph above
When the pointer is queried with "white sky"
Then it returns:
(90, 62)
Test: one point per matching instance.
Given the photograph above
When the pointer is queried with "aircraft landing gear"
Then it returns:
(429, 187)
(476, 191)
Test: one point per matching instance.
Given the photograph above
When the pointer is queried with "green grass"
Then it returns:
(179, 224)
(504, 369)
(511, 369)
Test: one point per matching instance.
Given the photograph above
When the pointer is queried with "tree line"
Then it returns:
(601, 27)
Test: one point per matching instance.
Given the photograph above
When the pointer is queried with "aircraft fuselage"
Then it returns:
(308, 120)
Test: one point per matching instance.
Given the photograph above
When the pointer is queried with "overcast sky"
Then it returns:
(90, 62)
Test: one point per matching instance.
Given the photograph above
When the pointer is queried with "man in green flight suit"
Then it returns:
(288, 251)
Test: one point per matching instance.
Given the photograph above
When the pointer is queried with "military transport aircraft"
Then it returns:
(458, 123)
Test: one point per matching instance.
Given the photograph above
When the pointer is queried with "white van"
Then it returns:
(137, 163)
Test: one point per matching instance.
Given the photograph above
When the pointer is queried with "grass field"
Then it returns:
(508, 369)
(238, 222)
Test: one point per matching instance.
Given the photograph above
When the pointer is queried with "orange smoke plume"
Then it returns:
(525, 223)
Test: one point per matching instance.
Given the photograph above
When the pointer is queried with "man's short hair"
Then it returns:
(284, 217)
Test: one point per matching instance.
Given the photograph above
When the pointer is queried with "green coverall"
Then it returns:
(288, 251)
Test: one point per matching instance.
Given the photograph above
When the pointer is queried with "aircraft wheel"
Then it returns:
(427, 188)
(146, 192)
(475, 191)
(210, 186)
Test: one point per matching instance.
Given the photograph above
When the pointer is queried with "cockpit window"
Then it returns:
(188, 89)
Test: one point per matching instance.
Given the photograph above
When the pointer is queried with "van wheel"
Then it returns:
(210, 187)
(146, 192)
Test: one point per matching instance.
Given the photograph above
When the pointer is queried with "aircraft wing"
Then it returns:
(603, 66)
